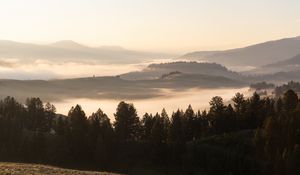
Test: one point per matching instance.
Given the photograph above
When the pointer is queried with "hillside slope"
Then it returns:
(292, 64)
(254, 55)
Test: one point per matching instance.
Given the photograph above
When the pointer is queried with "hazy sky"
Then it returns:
(161, 25)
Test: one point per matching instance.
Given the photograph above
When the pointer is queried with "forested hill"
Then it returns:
(155, 71)
(253, 136)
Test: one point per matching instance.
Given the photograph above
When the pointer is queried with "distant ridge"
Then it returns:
(254, 55)
(69, 44)
(292, 64)
(68, 50)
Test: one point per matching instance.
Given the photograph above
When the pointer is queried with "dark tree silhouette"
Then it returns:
(77, 133)
(255, 135)
(176, 133)
(188, 123)
(166, 125)
(36, 115)
(290, 100)
(147, 124)
(217, 113)
(127, 124)
(100, 137)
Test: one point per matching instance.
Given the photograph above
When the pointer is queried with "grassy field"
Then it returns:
(36, 169)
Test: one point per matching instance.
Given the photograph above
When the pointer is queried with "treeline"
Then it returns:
(262, 85)
(280, 90)
(252, 136)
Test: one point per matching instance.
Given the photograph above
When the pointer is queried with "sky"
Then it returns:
(154, 25)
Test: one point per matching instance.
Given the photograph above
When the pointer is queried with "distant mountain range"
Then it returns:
(255, 55)
(275, 61)
(71, 51)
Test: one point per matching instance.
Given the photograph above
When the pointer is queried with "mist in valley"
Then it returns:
(43, 69)
(171, 101)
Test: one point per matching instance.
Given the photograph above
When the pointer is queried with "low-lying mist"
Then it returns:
(171, 101)
(47, 69)
(106, 93)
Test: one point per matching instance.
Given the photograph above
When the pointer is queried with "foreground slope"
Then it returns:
(35, 169)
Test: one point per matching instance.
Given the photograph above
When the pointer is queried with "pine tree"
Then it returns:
(127, 124)
(100, 137)
(188, 124)
(147, 124)
(166, 125)
(157, 130)
(176, 132)
(290, 101)
(217, 114)
(36, 116)
(78, 133)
